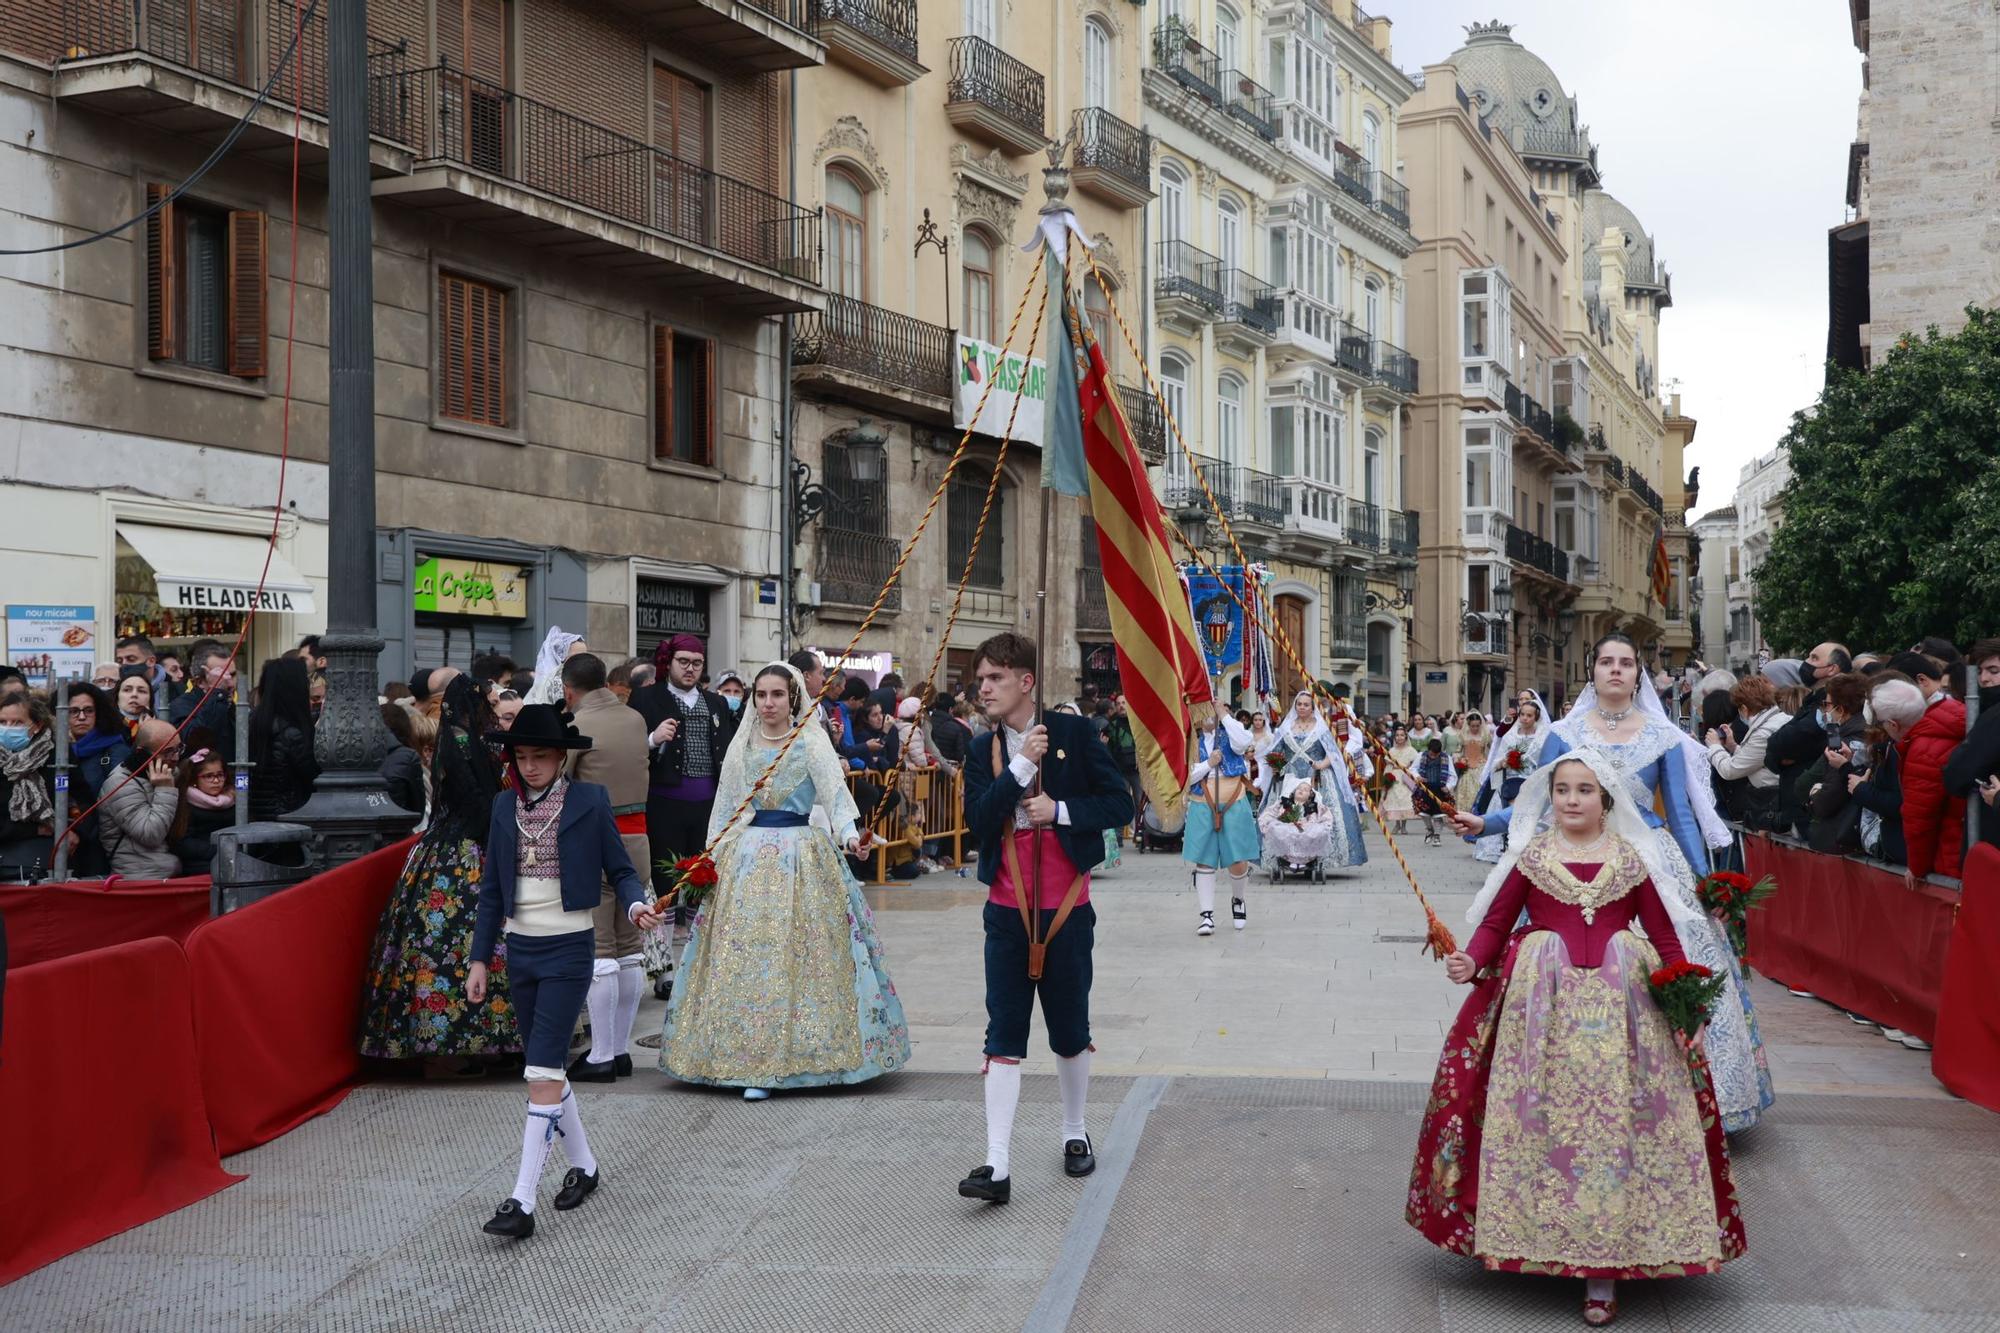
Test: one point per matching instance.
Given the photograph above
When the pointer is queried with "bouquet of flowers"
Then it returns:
(1291, 814)
(1517, 761)
(1458, 766)
(689, 880)
(1729, 896)
(1685, 993)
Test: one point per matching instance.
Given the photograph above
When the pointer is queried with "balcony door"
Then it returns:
(1290, 614)
(473, 37)
(979, 19)
(681, 202)
(1098, 66)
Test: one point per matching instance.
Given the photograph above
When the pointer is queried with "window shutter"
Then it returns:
(704, 405)
(161, 274)
(247, 299)
(663, 391)
(451, 346)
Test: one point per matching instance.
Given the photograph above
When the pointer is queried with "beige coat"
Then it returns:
(616, 760)
(134, 826)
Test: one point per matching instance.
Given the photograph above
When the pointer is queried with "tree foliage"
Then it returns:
(1891, 522)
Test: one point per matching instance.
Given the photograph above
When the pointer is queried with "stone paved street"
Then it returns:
(1256, 1107)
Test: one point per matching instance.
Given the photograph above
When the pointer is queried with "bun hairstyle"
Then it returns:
(1603, 791)
(792, 692)
(1615, 636)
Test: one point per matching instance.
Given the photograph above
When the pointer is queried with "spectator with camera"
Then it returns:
(1834, 817)
(1925, 732)
(1756, 701)
(1975, 765)
(1800, 741)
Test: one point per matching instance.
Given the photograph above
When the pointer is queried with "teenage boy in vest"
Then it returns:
(1040, 790)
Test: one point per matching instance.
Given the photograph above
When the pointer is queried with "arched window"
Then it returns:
(1371, 137)
(976, 251)
(846, 234)
(1229, 232)
(1228, 38)
(963, 503)
(1229, 420)
(979, 19)
(1174, 375)
(1371, 307)
(1099, 66)
(1371, 466)
(1173, 202)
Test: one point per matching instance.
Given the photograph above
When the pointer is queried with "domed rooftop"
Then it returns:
(1517, 93)
(1642, 269)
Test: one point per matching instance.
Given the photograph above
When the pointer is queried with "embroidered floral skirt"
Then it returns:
(413, 998)
(783, 984)
(1566, 1132)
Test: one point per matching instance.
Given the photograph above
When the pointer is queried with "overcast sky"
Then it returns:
(1725, 128)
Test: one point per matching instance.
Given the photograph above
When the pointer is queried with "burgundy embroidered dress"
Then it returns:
(1566, 1133)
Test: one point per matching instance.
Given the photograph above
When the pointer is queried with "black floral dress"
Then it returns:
(414, 1002)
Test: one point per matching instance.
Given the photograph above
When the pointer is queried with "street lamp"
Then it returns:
(867, 463)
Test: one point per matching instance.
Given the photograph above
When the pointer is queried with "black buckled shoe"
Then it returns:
(981, 1185)
(576, 1187)
(510, 1220)
(621, 1065)
(1078, 1159)
(584, 1070)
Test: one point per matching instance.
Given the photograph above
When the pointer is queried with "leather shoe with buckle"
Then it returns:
(981, 1185)
(576, 1187)
(510, 1220)
(585, 1070)
(1078, 1159)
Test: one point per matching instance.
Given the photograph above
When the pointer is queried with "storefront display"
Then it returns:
(666, 607)
(175, 585)
(52, 643)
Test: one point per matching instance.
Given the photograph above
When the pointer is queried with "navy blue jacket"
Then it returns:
(1078, 770)
(588, 844)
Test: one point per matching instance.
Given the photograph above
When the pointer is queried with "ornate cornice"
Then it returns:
(1086, 8)
(1106, 251)
(849, 138)
(989, 171)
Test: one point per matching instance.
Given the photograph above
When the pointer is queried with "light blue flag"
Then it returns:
(1063, 466)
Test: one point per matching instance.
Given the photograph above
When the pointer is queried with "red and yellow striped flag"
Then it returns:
(1159, 661)
(1663, 565)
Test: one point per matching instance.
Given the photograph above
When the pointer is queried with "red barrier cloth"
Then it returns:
(277, 996)
(104, 1108)
(1966, 1051)
(46, 921)
(1851, 933)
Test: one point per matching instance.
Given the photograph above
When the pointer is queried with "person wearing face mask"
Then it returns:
(97, 744)
(616, 760)
(732, 689)
(27, 788)
(1975, 765)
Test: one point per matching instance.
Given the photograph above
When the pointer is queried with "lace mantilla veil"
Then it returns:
(812, 755)
(1531, 811)
(1695, 759)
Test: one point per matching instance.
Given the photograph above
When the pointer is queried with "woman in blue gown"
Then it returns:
(1303, 746)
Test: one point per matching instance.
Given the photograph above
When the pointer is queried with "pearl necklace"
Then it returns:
(1580, 851)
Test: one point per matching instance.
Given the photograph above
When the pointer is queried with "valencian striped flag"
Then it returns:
(1663, 565)
(1087, 438)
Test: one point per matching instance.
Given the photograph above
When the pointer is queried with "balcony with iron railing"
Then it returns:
(1249, 315)
(192, 70)
(1259, 498)
(1113, 158)
(1541, 421)
(994, 96)
(755, 35)
(1615, 466)
(1312, 508)
(1485, 634)
(1644, 490)
(1404, 532)
(1250, 104)
(879, 357)
(1147, 420)
(1187, 282)
(1393, 368)
(1183, 490)
(1186, 61)
(877, 38)
(486, 155)
(1093, 599)
(1516, 402)
(1352, 174)
(1354, 350)
(1527, 550)
(1392, 199)
(854, 564)
(1364, 525)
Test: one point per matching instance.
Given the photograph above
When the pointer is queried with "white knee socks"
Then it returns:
(1003, 1096)
(602, 1002)
(575, 1146)
(1239, 893)
(1073, 1074)
(544, 1123)
(631, 988)
(1204, 889)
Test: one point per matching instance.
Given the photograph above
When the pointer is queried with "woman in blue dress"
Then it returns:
(1620, 714)
(782, 983)
(1509, 760)
(1303, 746)
(1221, 827)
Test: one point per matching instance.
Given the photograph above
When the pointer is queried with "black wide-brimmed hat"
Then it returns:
(543, 725)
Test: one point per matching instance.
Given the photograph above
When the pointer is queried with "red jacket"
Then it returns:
(1933, 819)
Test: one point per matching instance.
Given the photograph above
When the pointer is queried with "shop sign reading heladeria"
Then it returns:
(469, 588)
(1014, 378)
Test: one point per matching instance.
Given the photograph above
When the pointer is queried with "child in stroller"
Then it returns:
(1435, 774)
(1297, 832)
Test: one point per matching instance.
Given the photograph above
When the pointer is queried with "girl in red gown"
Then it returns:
(1570, 1129)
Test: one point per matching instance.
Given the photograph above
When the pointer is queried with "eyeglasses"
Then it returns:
(83, 710)
(682, 660)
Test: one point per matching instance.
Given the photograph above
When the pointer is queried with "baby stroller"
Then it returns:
(1297, 834)
(1154, 838)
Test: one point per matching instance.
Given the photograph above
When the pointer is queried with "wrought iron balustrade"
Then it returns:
(1354, 350)
(1190, 272)
(1251, 104)
(1093, 600)
(490, 129)
(1259, 497)
(1364, 524)
(1148, 422)
(853, 565)
(1403, 531)
(1392, 199)
(1394, 367)
(1117, 146)
(1183, 490)
(1247, 299)
(1352, 175)
(884, 345)
(1515, 402)
(893, 23)
(1616, 467)
(981, 72)
(1184, 60)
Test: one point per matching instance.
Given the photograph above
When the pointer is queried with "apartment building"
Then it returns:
(1277, 309)
(923, 138)
(584, 242)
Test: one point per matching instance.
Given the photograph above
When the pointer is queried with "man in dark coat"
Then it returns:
(1040, 790)
(1975, 763)
(689, 730)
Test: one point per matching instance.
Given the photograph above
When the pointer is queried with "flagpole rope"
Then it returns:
(1439, 939)
(895, 574)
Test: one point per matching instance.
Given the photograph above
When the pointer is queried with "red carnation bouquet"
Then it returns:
(1685, 992)
(1516, 761)
(1729, 896)
(689, 880)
